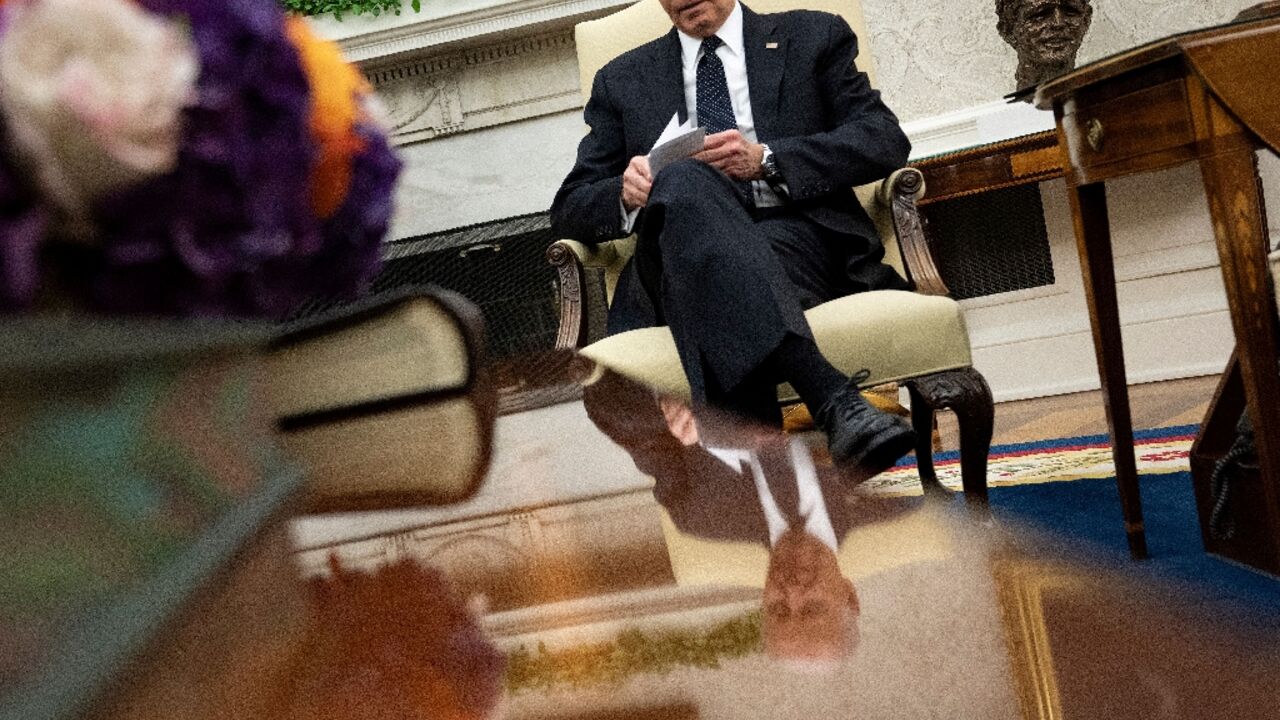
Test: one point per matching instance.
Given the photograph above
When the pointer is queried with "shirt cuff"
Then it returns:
(628, 218)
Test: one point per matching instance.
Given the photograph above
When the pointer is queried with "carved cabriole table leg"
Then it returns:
(966, 393)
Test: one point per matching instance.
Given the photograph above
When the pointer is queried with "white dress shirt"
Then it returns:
(732, 54)
(811, 505)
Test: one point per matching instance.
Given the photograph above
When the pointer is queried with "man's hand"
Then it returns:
(680, 420)
(733, 155)
(636, 182)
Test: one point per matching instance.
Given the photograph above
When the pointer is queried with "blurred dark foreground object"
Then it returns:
(385, 402)
(144, 500)
(393, 644)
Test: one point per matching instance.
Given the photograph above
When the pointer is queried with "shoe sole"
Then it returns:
(880, 452)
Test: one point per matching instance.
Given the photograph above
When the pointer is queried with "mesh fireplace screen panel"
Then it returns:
(991, 243)
(509, 278)
(500, 266)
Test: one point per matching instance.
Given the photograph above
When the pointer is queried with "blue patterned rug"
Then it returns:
(1081, 520)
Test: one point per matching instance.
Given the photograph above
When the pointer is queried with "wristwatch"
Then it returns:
(769, 165)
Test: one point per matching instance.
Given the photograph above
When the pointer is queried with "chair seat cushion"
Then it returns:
(893, 333)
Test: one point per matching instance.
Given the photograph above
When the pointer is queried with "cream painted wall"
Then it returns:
(936, 56)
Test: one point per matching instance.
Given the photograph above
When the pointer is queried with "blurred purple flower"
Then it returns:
(352, 236)
(230, 231)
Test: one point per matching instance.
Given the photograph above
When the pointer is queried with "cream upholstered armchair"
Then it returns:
(916, 338)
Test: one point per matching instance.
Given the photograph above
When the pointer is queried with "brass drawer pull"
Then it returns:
(484, 247)
(1095, 135)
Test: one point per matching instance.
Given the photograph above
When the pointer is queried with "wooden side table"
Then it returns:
(994, 166)
(1211, 97)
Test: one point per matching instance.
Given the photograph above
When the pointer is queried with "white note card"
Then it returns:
(678, 141)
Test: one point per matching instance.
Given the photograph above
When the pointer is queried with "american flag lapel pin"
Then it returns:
(771, 46)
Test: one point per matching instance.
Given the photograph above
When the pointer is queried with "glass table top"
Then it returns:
(627, 558)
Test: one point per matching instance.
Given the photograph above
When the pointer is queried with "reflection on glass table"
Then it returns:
(634, 559)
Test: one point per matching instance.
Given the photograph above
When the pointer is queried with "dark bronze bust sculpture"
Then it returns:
(1045, 33)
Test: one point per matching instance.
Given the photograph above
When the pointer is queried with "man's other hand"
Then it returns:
(733, 155)
(636, 183)
(680, 420)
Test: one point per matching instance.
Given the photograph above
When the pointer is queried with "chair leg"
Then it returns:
(923, 419)
(966, 393)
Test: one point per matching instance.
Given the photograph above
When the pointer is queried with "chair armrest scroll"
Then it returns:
(569, 257)
(899, 192)
(601, 255)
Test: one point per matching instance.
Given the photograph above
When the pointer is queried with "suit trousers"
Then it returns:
(732, 281)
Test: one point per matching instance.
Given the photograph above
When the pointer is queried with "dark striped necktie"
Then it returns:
(780, 476)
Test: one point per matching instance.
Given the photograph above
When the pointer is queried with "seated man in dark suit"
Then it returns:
(737, 242)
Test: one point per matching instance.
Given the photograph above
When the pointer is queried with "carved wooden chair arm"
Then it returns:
(899, 193)
(570, 258)
(565, 257)
(601, 255)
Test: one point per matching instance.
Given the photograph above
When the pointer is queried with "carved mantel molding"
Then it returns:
(429, 95)
(455, 23)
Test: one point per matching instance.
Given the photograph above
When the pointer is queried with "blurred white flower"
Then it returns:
(92, 94)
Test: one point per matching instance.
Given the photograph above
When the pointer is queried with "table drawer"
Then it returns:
(1146, 129)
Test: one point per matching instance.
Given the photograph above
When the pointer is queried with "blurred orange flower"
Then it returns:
(337, 89)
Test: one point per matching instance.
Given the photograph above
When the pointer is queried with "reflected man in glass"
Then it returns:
(719, 479)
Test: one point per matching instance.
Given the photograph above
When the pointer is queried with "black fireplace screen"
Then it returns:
(991, 243)
(501, 266)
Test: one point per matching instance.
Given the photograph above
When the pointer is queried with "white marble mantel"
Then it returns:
(367, 39)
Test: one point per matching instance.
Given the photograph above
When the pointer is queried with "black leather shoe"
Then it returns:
(863, 439)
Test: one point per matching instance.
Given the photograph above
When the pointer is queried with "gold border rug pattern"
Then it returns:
(1160, 450)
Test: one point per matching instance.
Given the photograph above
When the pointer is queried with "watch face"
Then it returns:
(770, 167)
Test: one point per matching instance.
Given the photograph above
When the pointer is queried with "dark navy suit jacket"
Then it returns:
(827, 127)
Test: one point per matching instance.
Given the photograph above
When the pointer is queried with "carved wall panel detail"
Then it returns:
(476, 554)
(430, 97)
(422, 107)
